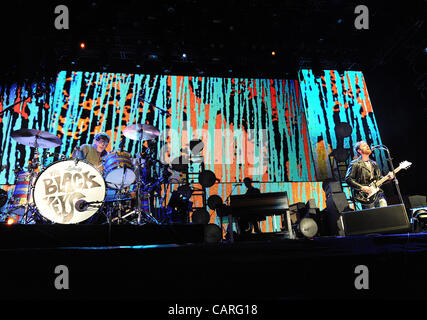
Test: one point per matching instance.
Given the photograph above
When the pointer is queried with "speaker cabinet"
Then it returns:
(333, 187)
(384, 220)
(337, 202)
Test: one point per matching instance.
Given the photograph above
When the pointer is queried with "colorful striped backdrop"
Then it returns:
(278, 131)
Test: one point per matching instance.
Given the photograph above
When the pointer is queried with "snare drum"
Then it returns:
(62, 184)
(118, 170)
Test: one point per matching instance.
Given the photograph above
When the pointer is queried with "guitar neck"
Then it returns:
(384, 179)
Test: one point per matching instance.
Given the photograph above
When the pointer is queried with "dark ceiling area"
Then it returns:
(211, 37)
(238, 38)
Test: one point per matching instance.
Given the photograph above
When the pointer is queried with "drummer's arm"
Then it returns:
(100, 167)
(80, 152)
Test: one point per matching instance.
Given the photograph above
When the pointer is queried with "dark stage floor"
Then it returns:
(175, 264)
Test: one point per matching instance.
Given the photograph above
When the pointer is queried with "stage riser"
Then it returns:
(34, 236)
(287, 270)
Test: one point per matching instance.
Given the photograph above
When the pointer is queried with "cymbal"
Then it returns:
(141, 131)
(36, 138)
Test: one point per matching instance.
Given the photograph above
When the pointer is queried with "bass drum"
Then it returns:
(62, 184)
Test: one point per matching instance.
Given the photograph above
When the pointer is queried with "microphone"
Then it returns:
(81, 205)
(77, 155)
(379, 146)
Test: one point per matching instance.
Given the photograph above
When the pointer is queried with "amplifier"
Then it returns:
(383, 220)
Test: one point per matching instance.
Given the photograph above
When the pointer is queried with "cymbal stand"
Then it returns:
(34, 164)
(163, 203)
(147, 217)
(230, 218)
(120, 194)
(138, 183)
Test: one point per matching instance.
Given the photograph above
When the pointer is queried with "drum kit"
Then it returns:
(72, 190)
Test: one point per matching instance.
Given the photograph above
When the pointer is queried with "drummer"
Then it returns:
(94, 152)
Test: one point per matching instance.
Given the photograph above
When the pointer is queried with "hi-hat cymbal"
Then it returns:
(36, 138)
(141, 131)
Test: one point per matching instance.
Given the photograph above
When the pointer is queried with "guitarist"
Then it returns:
(362, 171)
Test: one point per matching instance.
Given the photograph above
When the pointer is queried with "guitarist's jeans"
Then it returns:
(380, 202)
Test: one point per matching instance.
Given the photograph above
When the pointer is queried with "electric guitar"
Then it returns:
(368, 198)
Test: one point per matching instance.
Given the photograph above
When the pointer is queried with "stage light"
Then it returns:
(200, 216)
(418, 205)
(343, 129)
(184, 56)
(207, 178)
(273, 53)
(421, 214)
(11, 221)
(214, 202)
(419, 219)
(213, 233)
(82, 45)
(308, 227)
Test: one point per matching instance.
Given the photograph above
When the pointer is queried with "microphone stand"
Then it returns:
(12, 105)
(230, 216)
(9, 124)
(32, 94)
(236, 185)
(390, 162)
(154, 106)
(9, 107)
(139, 211)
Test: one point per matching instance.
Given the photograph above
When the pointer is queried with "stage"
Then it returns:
(178, 263)
(130, 131)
